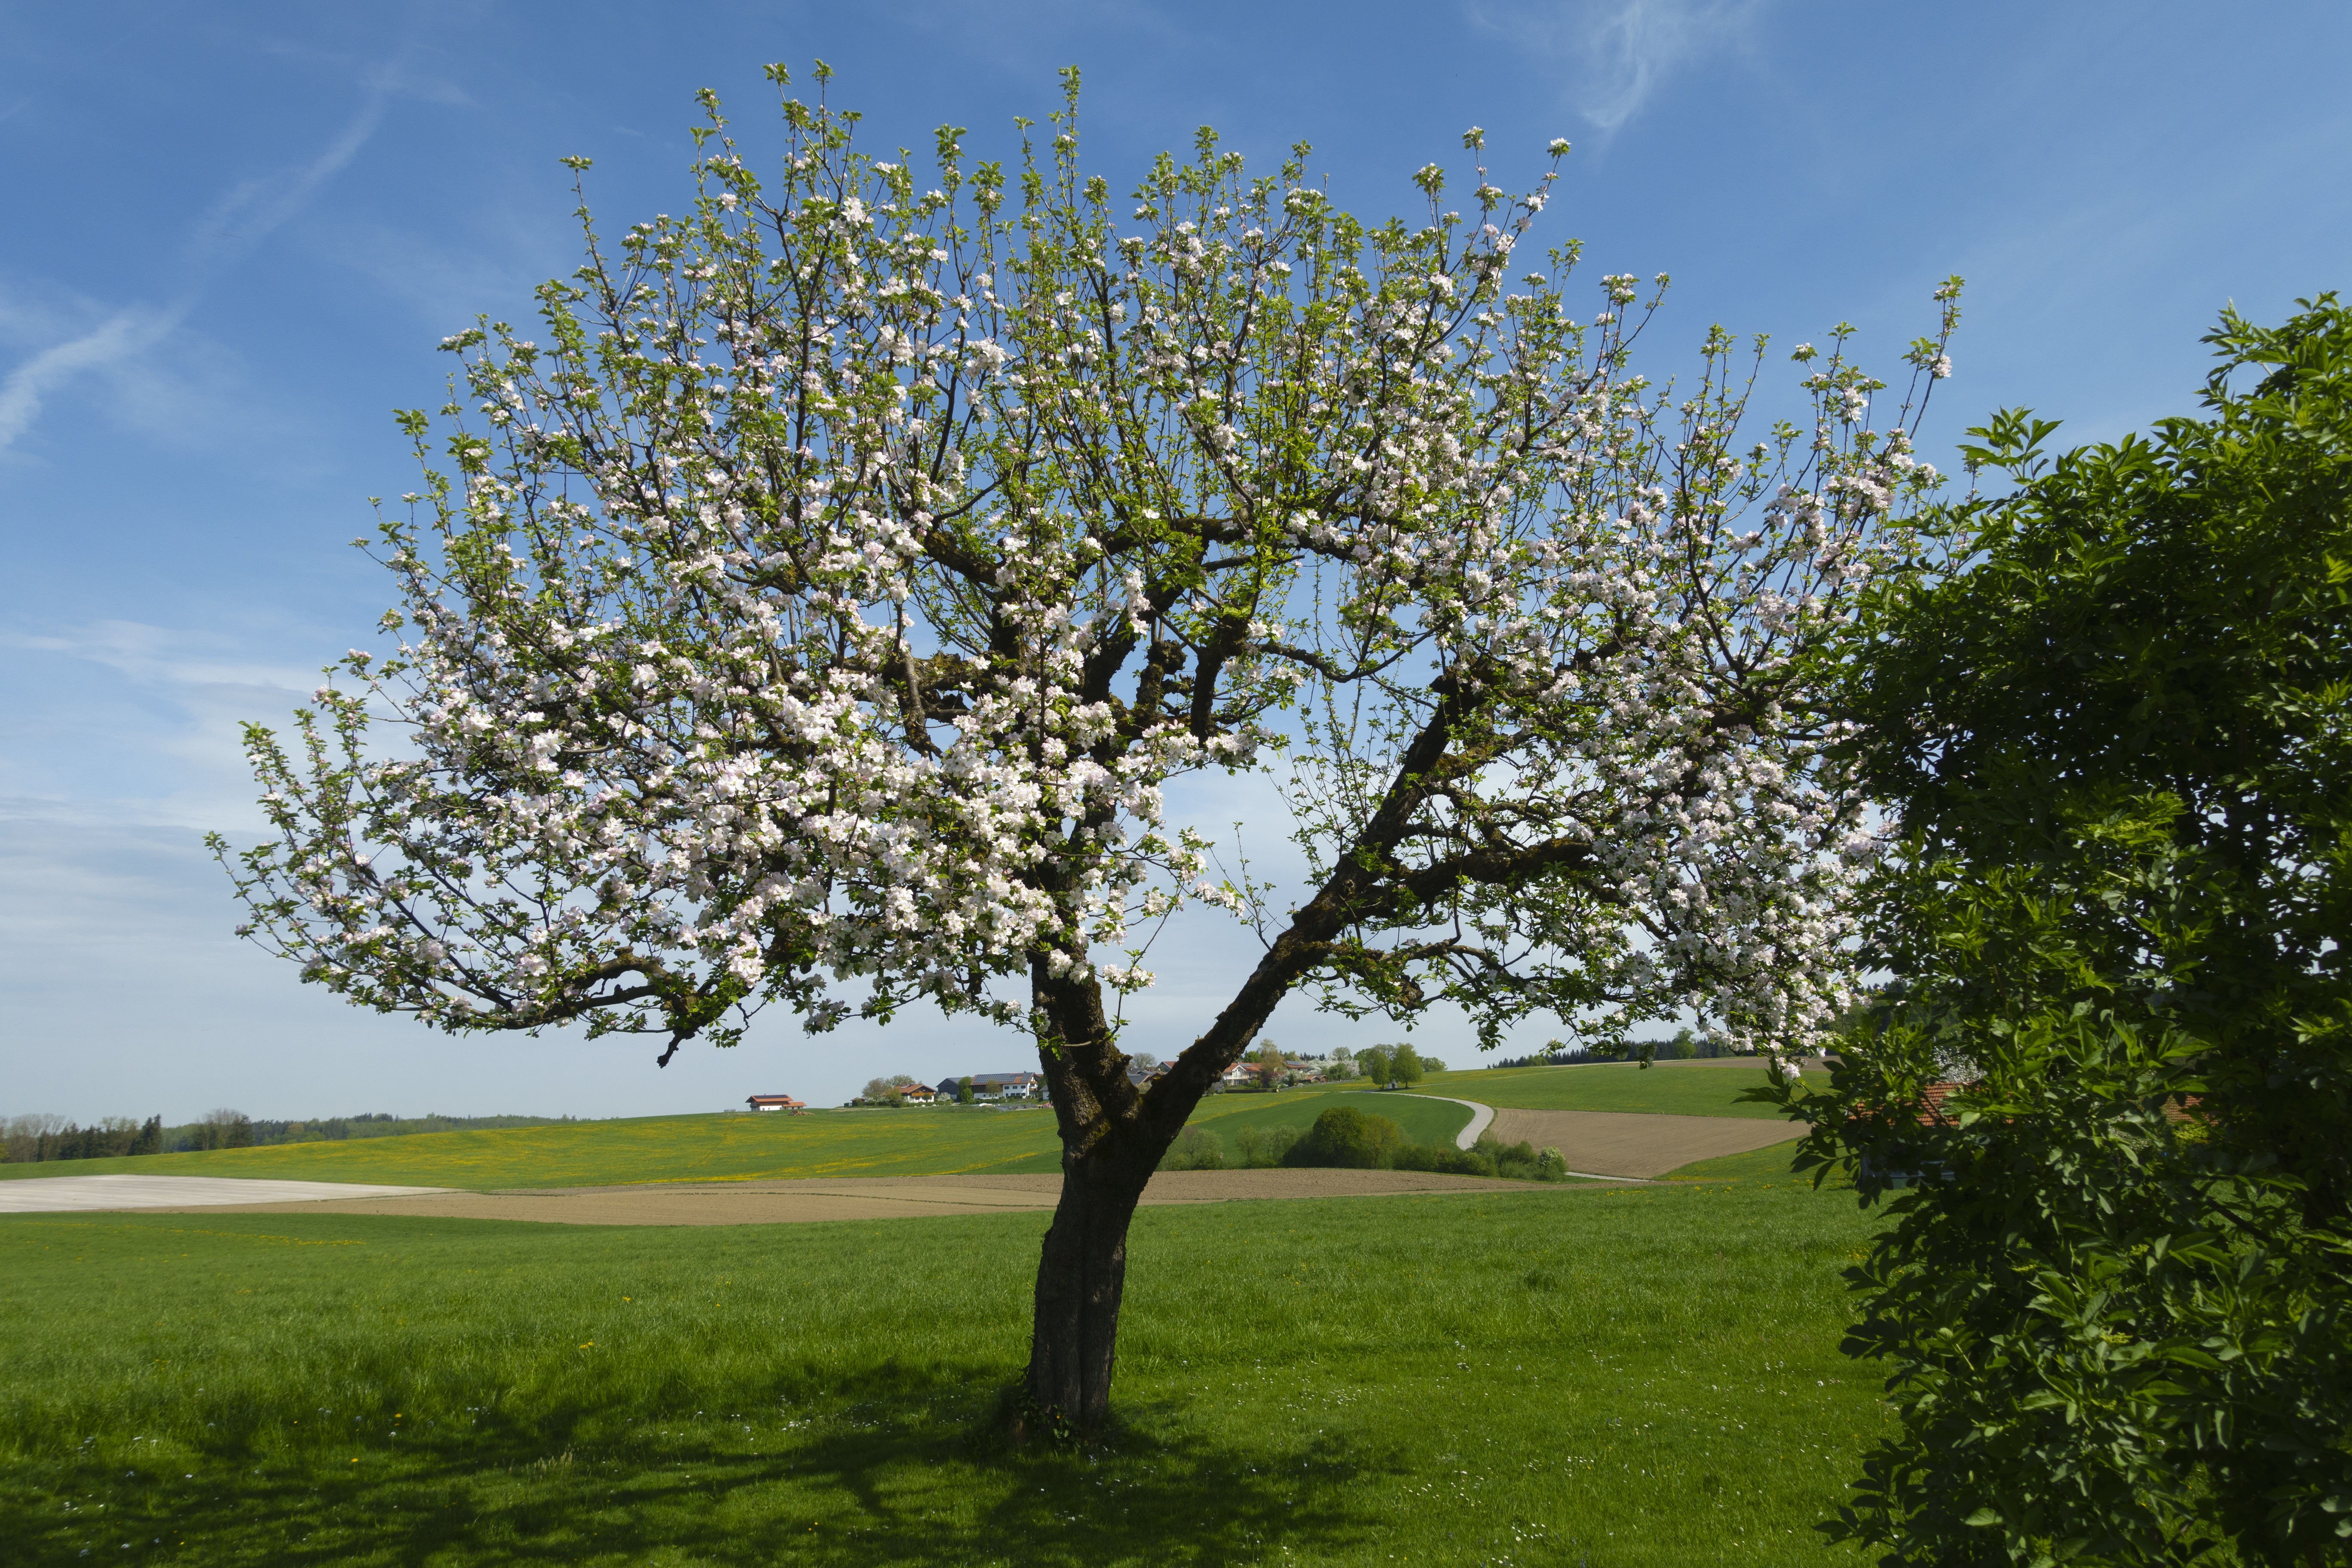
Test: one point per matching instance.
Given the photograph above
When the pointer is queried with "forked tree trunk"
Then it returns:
(1113, 1135)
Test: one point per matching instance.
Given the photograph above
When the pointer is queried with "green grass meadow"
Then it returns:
(1597, 1377)
(1709, 1088)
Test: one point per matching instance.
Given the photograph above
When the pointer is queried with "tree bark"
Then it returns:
(1081, 1275)
(1110, 1146)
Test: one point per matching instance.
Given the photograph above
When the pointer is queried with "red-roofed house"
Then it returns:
(1906, 1168)
(774, 1102)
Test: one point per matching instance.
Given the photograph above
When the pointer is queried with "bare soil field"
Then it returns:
(1634, 1143)
(875, 1197)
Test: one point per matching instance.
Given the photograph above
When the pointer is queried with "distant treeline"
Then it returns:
(26, 1138)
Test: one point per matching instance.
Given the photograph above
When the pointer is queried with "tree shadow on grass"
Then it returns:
(908, 1475)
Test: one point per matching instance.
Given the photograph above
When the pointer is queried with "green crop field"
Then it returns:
(1602, 1378)
(913, 1141)
(1679, 1089)
(916, 1140)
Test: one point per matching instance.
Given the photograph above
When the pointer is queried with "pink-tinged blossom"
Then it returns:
(811, 612)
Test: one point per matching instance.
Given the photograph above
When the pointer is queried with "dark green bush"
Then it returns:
(1346, 1138)
(1445, 1159)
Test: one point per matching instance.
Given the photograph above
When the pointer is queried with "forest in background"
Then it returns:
(27, 1139)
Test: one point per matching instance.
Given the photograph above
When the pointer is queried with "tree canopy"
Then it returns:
(818, 609)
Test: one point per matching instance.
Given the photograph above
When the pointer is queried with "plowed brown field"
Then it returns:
(1631, 1143)
(877, 1197)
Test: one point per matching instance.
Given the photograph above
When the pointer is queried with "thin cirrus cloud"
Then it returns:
(1616, 52)
(136, 723)
(235, 224)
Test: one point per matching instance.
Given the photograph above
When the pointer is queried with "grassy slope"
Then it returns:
(1641, 1376)
(1679, 1089)
(1423, 1120)
(917, 1141)
(1757, 1165)
(648, 1149)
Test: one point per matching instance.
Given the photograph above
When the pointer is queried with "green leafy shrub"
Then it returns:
(1195, 1148)
(1444, 1159)
(1261, 1147)
(1345, 1137)
(1521, 1162)
(2108, 1100)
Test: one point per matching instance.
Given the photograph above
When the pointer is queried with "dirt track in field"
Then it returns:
(877, 1197)
(1636, 1144)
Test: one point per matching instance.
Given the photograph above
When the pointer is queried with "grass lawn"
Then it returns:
(1600, 1378)
(1679, 1089)
(915, 1140)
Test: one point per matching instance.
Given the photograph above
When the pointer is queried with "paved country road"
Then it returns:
(1480, 1116)
(1621, 1145)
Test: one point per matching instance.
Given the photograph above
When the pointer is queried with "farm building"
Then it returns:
(1007, 1086)
(774, 1102)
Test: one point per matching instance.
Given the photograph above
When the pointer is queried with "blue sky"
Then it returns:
(236, 232)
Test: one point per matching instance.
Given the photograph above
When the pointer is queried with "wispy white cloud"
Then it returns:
(157, 656)
(1617, 52)
(445, 284)
(125, 723)
(183, 389)
(118, 337)
(227, 232)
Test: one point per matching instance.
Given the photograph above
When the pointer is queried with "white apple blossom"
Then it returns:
(819, 612)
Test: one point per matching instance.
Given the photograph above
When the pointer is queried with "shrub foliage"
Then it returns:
(2114, 1295)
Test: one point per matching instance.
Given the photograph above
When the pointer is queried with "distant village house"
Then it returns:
(1007, 1086)
(774, 1102)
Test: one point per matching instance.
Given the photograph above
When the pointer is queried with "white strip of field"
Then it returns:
(66, 1194)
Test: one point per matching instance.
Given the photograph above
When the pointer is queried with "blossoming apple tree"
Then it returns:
(818, 610)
